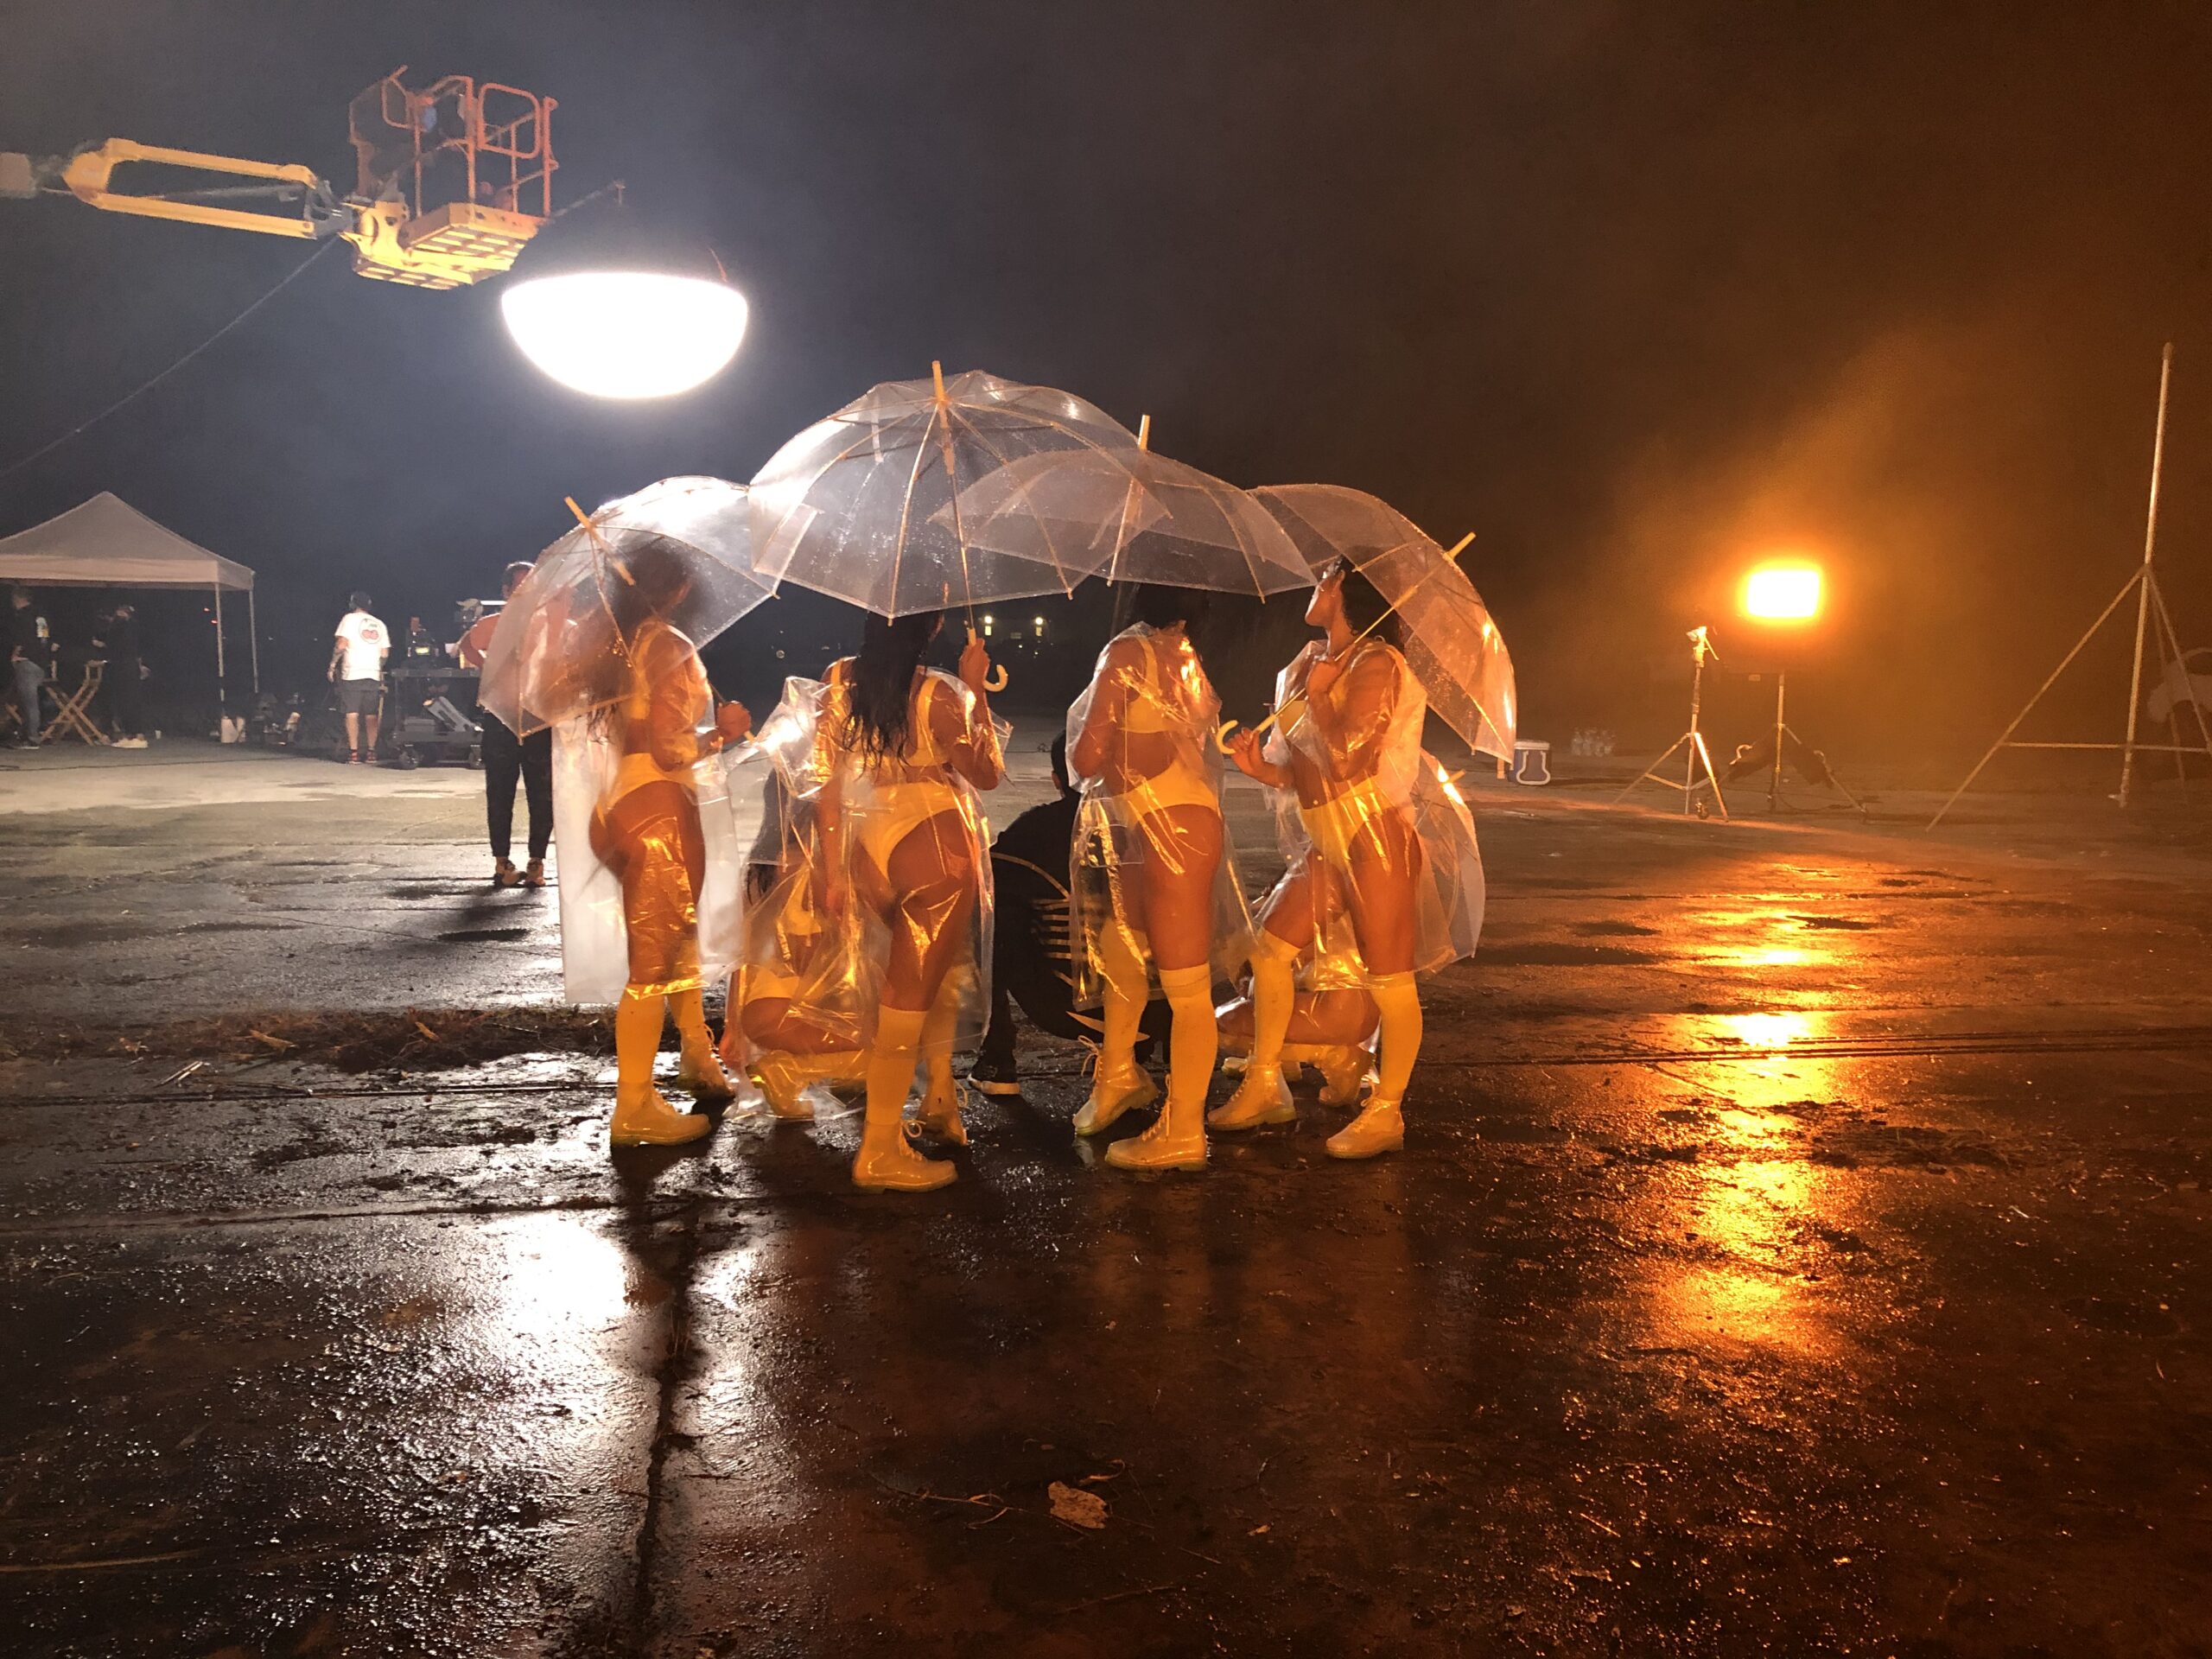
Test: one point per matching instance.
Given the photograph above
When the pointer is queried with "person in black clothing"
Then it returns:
(120, 681)
(1030, 965)
(28, 659)
(507, 757)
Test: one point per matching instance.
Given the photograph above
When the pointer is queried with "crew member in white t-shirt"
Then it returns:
(357, 670)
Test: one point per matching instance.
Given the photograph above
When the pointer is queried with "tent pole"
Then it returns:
(222, 699)
(253, 640)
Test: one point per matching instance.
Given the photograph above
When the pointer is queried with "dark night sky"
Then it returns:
(1633, 292)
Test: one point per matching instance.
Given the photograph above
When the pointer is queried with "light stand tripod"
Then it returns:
(1809, 760)
(1692, 742)
(2144, 584)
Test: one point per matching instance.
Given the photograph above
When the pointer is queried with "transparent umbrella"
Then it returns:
(559, 651)
(1155, 521)
(1454, 648)
(869, 506)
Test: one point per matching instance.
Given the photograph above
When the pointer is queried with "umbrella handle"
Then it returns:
(995, 680)
(1221, 733)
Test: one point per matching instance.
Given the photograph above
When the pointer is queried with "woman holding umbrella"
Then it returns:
(907, 748)
(1401, 870)
(646, 829)
(1137, 743)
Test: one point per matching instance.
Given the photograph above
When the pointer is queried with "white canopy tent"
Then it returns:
(107, 542)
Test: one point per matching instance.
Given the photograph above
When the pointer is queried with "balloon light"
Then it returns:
(626, 333)
(1783, 591)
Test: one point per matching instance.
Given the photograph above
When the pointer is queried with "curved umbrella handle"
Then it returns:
(1221, 735)
(997, 682)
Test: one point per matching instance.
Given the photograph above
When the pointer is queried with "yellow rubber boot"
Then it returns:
(1380, 1125)
(785, 1078)
(885, 1162)
(700, 1071)
(1262, 1097)
(1119, 1086)
(940, 1113)
(1342, 1066)
(641, 1117)
(1178, 1140)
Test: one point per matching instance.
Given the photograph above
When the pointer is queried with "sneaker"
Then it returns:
(999, 1077)
(503, 873)
(535, 875)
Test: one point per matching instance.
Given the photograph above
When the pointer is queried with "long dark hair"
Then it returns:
(1365, 606)
(883, 681)
(1159, 606)
(649, 583)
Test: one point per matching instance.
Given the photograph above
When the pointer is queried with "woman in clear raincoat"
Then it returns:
(799, 1011)
(646, 829)
(1140, 744)
(904, 875)
(1385, 881)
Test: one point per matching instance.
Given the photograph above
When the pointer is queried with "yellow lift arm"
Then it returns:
(443, 200)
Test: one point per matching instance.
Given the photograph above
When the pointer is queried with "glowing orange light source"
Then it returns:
(1785, 591)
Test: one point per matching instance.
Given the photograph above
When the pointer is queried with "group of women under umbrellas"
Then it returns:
(858, 950)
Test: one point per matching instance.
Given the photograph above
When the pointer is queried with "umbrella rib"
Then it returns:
(906, 503)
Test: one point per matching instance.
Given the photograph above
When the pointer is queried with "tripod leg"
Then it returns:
(1712, 777)
(1652, 774)
(2126, 588)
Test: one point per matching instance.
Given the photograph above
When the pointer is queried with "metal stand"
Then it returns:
(1783, 738)
(2144, 584)
(1692, 742)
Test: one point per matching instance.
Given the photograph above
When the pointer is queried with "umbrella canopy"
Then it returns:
(1454, 648)
(677, 551)
(869, 505)
(1154, 519)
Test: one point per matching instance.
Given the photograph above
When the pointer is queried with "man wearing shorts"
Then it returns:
(357, 659)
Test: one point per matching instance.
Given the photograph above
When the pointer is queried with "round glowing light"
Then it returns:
(1784, 591)
(625, 333)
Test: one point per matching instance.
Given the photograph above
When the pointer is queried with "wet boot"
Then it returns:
(1178, 1139)
(1262, 1097)
(1119, 1085)
(1342, 1067)
(641, 1117)
(1113, 1095)
(783, 1078)
(700, 1070)
(1380, 1127)
(885, 1161)
(940, 1111)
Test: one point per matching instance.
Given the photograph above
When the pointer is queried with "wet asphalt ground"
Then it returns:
(1799, 1248)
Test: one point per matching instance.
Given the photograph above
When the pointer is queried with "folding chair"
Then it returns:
(72, 718)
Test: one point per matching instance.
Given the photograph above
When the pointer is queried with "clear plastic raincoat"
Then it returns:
(1355, 760)
(864, 807)
(793, 952)
(1160, 755)
(650, 855)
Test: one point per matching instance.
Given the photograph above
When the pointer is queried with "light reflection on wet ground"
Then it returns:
(1787, 1340)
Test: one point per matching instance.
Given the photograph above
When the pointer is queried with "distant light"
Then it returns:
(1784, 591)
(614, 333)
